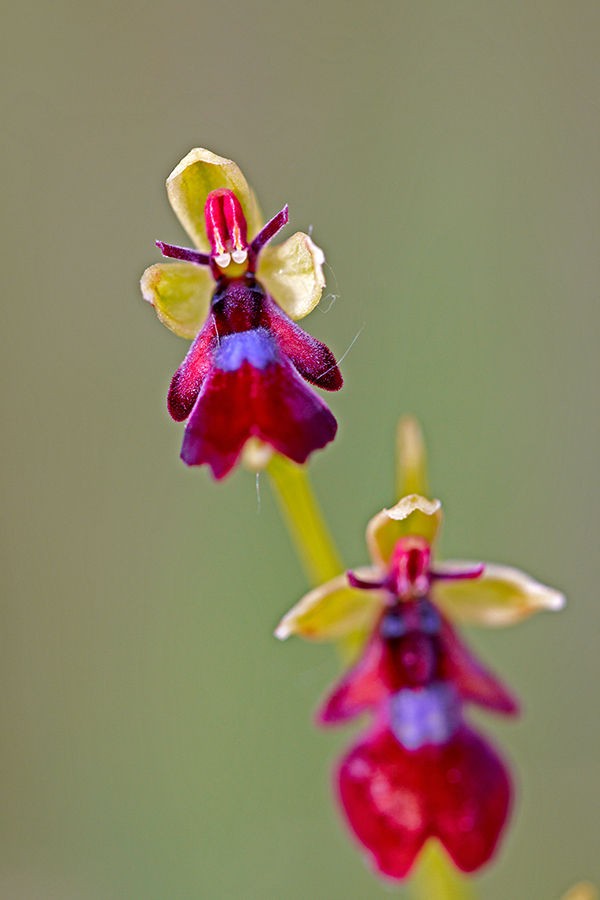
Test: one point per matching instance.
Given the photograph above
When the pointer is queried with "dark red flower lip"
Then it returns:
(241, 401)
(242, 378)
(420, 771)
(395, 799)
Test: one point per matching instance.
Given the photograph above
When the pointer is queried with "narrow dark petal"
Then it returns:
(395, 798)
(474, 682)
(270, 230)
(362, 688)
(356, 582)
(194, 256)
(458, 574)
(313, 360)
(188, 378)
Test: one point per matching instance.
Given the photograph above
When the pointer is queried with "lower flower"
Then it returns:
(420, 771)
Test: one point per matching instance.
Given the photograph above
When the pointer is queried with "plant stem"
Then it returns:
(304, 520)
(436, 878)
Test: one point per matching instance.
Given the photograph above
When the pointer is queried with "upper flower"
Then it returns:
(238, 298)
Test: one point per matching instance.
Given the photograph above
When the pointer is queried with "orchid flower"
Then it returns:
(420, 770)
(238, 298)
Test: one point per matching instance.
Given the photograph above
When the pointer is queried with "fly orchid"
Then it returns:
(238, 298)
(420, 771)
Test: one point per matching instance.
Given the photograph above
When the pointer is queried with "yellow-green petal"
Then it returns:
(181, 293)
(334, 610)
(190, 183)
(411, 515)
(501, 596)
(292, 273)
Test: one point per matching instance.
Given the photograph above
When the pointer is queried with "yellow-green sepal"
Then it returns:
(500, 596)
(292, 273)
(411, 515)
(181, 293)
(190, 183)
(334, 611)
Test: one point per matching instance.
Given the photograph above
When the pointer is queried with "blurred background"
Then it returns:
(156, 740)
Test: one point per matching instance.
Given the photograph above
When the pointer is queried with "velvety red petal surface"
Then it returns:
(395, 799)
(474, 682)
(271, 403)
(313, 359)
(188, 379)
(362, 688)
(289, 415)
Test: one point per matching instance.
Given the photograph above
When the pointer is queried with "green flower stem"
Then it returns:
(435, 877)
(304, 520)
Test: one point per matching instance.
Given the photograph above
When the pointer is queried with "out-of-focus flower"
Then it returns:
(420, 771)
(238, 298)
(583, 890)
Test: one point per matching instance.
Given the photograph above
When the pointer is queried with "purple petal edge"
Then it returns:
(270, 230)
(186, 253)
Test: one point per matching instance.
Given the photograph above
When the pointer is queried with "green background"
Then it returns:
(155, 740)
